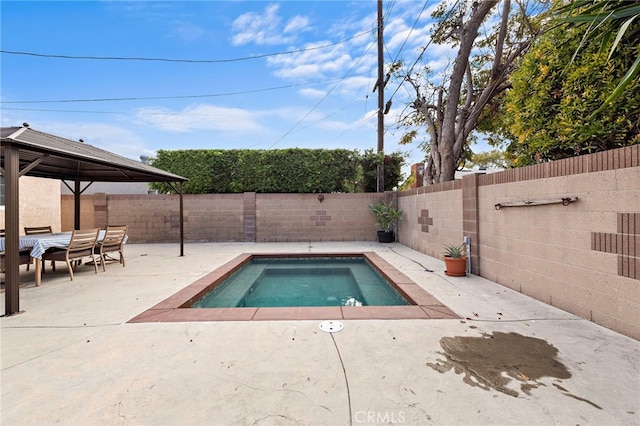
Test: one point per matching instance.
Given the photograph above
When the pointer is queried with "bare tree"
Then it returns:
(480, 72)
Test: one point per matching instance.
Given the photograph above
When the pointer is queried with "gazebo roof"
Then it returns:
(32, 153)
(51, 156)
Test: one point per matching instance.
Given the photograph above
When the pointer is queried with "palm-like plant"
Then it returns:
(386, 215)
(602, 20)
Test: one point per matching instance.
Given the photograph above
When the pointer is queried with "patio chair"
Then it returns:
(23, 256)
(32, 230)
(23, 259)
(82, 243)
(37, 230)
(113, 241)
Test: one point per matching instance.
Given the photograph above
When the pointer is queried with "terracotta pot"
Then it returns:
(456, 266)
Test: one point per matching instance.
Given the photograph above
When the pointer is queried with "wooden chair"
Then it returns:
(113, 241)
(32, 230)
(37, 230)
(83, 243)
(23, 256)
(23, 259)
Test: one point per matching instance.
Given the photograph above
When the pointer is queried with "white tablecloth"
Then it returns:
(39, 243)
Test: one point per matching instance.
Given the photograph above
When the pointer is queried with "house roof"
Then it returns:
(51, 156)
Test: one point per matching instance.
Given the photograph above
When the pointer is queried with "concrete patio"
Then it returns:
(73, 358)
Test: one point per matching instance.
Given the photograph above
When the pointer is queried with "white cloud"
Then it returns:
(115, 139)
(312, 93)
(123, 140)
(358, 85)
(187, 31)
(296, 24)
(313, 64)
(202, 117)
(267, 28)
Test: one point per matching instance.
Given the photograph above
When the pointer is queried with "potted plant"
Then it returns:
(386, 218)
(455, 260)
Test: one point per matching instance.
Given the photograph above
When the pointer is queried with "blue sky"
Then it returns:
(223, 83)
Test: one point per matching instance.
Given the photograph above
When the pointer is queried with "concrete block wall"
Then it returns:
(155, 218)
(433, 217)
(568, 256)
(315, 217)
(583, 257)
(93, 210)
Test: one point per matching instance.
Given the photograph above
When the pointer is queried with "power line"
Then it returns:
(212, 95)
(411, 30)
(288, 132)
(192, 61)
(60, 110)
(424, 49)
(358, 124)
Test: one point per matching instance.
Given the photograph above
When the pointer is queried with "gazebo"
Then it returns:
(28, 152)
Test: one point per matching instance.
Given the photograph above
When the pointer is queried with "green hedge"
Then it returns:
(292, 170)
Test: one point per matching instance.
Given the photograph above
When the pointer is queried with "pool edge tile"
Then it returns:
(422, 305)
(298, 313)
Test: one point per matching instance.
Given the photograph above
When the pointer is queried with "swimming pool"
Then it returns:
(178, 307)
(303, 281)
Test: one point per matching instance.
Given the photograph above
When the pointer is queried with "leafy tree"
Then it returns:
(485, 160)
(600, 20)
(392, 170)
(451, 108)
(554, 110)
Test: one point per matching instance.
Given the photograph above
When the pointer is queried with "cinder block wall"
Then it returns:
(315, 217)
(155, 218)
(583, 257)
(433, 217)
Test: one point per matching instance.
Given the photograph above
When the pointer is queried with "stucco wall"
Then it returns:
(39, 203)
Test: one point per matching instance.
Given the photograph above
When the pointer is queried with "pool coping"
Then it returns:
(176, 308)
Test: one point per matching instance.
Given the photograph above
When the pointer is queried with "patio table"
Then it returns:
(39, 243)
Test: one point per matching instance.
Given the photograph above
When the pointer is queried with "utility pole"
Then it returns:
(380, 86)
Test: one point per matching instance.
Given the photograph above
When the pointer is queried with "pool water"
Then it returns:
(279, 282)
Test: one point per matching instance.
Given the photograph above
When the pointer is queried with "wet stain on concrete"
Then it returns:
(493, 361)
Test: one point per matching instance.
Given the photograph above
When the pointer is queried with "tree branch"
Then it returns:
(500, 40)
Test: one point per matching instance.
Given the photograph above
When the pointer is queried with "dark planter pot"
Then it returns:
(456, 266)
(386, 236)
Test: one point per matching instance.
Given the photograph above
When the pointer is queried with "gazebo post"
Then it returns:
(11, 221)
(29, 152)
(76, 204)
(181, 219)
